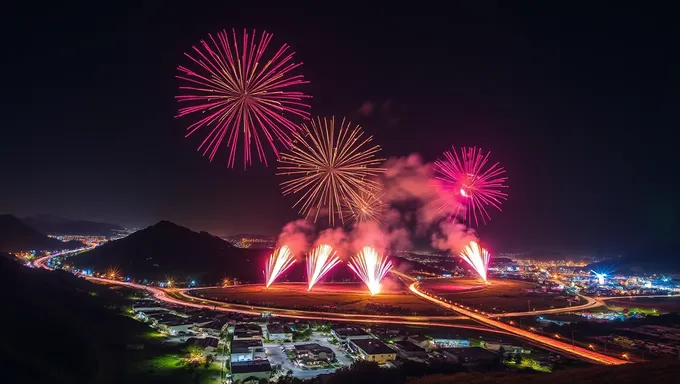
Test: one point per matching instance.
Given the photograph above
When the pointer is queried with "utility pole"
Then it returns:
(573, 342)
(529, 305)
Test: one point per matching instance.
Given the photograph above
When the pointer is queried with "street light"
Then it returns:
(572, 339)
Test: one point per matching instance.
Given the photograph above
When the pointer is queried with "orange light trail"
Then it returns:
(546, 341)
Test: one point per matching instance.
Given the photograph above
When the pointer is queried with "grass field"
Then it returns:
(329, 297)
(662, 305)
(503, 295)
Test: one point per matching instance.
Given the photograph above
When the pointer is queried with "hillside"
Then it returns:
(16, 236)
(61, 226)
(169, 250)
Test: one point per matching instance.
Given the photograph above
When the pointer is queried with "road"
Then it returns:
(542, 340)
(41, 262)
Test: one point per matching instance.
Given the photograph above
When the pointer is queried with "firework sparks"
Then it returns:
(330, 166)
(477, 257)
(279, 262)
(371, 267)
(477, 185)
(237, 90)
(368, 206)
(319, 262)
(112, 272)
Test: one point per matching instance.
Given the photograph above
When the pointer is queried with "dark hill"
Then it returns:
(16, 236)
(169, 250)
(61, 226)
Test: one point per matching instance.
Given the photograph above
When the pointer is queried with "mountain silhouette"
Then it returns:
(62, 226)
(166, 249)
(16, 236)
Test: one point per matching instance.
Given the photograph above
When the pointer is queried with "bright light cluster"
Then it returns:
(279, 262)
(320, 261)
(477, 257)
(371, 267)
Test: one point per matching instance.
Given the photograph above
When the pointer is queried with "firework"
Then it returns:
(475, 184)
(319, 261)
(368, 206)
(330, 165)
(236, 90)
(112, 272)
(477, 257)
(371, 267)
(279, 262)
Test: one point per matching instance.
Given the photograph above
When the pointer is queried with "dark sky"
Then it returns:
(579, 102)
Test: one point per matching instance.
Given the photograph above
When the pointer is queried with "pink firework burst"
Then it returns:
(238, 92)
(475, 183)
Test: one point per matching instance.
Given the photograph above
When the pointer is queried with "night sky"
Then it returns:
(579, 103)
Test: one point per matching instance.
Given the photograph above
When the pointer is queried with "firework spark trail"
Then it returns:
(369, 206)
(371, 267)
(233, 92)
(477, 257)
(319, 262)
(279, 262)
(477, 185)
(330, 166)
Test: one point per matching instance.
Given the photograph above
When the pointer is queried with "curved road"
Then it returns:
(542, 340)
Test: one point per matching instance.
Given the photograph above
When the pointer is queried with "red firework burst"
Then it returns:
(475, 184)
(235, 90)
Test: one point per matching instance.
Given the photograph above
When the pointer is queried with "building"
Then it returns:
(254, 371)
(247, 350)
(349, 333)
(409, 350)
(247, 332)
(421, 341)
(471, 356)
(214, 328)
(372, 350)
(450, 343)
(207, 344)
(277, 332)
(312, 354)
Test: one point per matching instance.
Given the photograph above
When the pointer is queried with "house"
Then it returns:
(276, 332)
(213, 328)
(255, 371)
(349, 333)
(247, 350)
(450, 343)
(421, 341)
(207, 344)
(408, 349)
(471, 356)
(372, 350)
(313, 353)
(247, 332)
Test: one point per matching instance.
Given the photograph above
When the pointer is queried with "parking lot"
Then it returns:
(277, 356)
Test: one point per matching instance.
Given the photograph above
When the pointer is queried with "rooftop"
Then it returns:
(275, 328)
(245, 346)
(419, 338)
(313, 347)
(349, 331)
(204, 342)
(408, 346)
(251, 366)
(373, 346)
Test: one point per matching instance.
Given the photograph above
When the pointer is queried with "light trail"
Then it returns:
(545, 341)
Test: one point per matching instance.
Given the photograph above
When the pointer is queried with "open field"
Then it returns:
(661, 304)
(497, 297)
(328, 297)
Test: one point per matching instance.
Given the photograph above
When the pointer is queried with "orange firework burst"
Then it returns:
(368, 206)
(371, 267)
(279, 262)
(319, 262)
(329, 165)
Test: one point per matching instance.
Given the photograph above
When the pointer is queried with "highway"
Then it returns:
(171, 296)
(542, 340)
